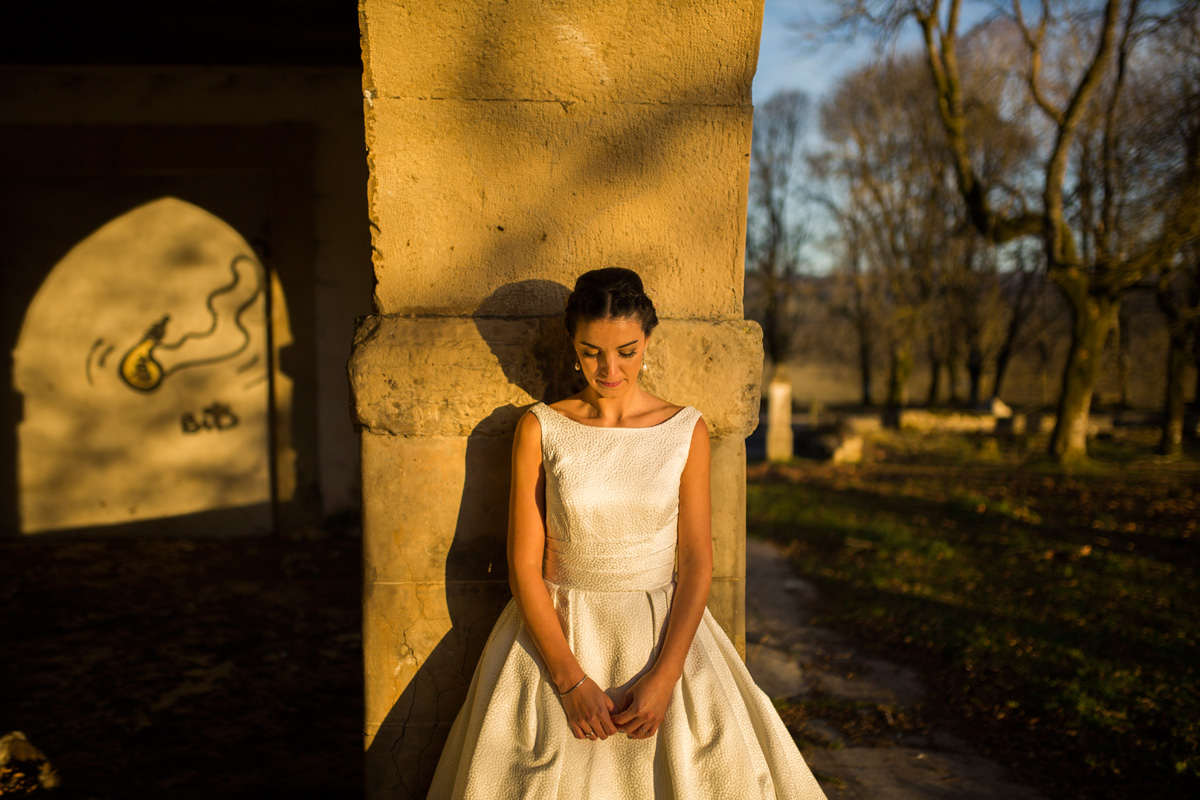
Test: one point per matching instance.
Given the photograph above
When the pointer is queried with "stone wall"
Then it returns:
(511, 147)
(274, 153)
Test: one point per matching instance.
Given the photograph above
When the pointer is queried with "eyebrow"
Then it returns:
(598, 347)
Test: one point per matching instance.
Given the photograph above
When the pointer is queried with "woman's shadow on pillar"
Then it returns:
(534, 353)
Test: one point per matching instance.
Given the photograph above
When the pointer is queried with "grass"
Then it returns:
(1055, 616)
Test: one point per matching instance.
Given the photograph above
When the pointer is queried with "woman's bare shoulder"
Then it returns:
(660, 410)
(528, 425)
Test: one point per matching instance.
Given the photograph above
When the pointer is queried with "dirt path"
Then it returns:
(859, 719)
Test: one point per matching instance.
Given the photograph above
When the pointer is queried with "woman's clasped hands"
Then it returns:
(590, 711)
(645, 706)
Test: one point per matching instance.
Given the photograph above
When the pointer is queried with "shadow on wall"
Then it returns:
(535, 356)
(144, 375)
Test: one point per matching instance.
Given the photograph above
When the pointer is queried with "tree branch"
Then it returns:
(1060, 242)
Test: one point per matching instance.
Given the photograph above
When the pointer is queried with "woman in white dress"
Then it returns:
(605, 676)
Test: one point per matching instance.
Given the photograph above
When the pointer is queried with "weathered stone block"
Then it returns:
(503, 192)
(710, 365)
(421, 642)
(400, 759)
(727, 603)
(729, 508)
(435, 508)
(562, 51)
(462, 377)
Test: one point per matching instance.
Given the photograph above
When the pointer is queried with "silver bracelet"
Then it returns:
(573, 688)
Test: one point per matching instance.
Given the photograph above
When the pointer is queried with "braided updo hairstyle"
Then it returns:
(610, 293)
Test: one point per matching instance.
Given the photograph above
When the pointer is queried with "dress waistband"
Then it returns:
(608, 572)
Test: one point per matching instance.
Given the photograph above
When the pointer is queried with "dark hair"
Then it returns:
(610, 293)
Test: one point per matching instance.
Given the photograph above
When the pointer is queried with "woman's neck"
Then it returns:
(615, 410)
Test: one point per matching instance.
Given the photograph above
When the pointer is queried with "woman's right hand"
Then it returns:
(589, 710)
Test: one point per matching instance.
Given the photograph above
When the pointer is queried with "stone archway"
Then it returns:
(145, 368)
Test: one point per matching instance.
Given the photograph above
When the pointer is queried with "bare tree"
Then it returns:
(1178, 294)
(775, 232)
(1021, 287)
(894, 200)
(858, 298)
(1075, 67)
(1166, 121)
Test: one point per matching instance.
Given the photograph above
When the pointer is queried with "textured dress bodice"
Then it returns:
(612, 501)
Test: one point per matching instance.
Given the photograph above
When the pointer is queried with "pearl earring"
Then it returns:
(577, 366)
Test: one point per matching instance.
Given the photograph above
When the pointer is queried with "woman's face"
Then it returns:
(610, 353)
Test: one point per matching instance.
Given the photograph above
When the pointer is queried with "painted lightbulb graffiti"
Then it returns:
(138, 367)
(152, 359)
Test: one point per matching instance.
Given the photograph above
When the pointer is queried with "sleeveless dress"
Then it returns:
(612, 509)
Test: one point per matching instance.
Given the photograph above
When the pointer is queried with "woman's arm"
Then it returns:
(586, 705)
(646, 701)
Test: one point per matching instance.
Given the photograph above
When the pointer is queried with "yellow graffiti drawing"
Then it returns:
(151, 361)
(138, 367)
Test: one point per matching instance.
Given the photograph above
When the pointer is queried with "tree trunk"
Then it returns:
(975, 380)
(1001, 368)
(1093, 319)
(864, 367)
(1192, 415)
(935, 381)
(1020, 312)
(1171, 443)
(1044, 354)
(899, 370)
(953, 369)
(1123, 348)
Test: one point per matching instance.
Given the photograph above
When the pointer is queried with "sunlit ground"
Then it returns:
(1055, 618)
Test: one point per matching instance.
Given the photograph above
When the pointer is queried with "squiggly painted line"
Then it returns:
(142, 371)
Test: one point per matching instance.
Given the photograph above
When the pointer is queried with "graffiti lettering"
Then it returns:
(217, 417)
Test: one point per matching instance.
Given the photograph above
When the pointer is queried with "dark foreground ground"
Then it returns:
(186, 668)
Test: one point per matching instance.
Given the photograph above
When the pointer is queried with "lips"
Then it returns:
(607, 385)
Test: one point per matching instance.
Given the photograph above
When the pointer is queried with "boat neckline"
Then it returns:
(615, 427)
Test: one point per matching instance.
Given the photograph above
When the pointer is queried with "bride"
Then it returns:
(606, 676)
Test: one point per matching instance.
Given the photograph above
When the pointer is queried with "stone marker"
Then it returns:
(780, 441)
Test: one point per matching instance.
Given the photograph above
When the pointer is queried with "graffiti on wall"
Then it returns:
(216, 417)
(226, 337)
(167, 313)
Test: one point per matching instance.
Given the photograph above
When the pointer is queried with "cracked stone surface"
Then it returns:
(794, 660)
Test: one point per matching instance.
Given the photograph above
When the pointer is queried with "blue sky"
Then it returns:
(785, 60)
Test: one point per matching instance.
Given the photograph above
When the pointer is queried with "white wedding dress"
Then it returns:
(612, 508)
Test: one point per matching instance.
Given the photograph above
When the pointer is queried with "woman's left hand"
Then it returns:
(645, 706)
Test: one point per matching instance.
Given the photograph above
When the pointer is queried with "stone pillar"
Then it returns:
(513, 145)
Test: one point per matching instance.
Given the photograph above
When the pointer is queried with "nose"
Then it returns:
(608, 365)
